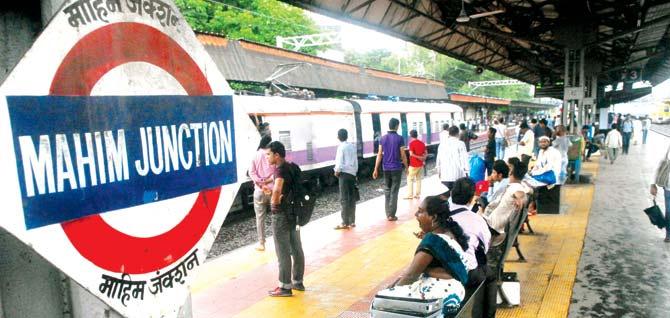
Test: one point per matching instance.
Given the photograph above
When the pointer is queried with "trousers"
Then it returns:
(391, 188)
(289, 250)
(347, 185)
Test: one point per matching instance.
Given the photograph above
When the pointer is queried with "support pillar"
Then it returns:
(573, 89)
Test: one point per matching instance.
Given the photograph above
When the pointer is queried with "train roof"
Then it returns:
(284, 105)
(370, 106)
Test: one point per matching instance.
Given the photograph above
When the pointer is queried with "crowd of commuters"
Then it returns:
(461, 230)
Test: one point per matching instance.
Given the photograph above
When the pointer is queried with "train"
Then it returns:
(308, 130)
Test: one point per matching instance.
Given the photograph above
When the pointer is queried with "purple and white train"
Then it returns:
(308, 129)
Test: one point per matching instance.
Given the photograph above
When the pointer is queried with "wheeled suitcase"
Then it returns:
(398, 307)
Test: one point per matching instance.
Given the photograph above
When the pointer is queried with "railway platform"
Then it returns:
(599, 257)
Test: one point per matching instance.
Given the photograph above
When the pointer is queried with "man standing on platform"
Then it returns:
(646, 124)
(392, 153)
(627, 130)
(417, 157)
(613, 142)
(286, 236)
(346, 167)
(526, 144)
(452, 159)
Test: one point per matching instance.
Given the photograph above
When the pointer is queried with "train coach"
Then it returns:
(308, 129)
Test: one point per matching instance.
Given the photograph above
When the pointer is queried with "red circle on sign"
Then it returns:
(92, 57)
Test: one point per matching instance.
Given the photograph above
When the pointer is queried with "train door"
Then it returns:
(377, 128)
(429, 130)
(403, 125)
(359, 129)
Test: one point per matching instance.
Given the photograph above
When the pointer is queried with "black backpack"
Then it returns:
(299, 203)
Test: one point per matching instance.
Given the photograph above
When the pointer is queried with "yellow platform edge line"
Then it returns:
(553, 255)
(333, 288)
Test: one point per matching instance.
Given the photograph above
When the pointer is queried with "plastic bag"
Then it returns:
(477, 168)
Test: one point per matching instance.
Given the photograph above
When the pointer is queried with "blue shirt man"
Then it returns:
(391, 155)
(346, 168)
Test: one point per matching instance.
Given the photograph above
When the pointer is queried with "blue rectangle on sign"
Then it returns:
(84, 155)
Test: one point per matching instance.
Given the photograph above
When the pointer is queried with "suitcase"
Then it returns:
(397, 307)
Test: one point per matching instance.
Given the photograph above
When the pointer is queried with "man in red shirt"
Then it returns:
(417, 157)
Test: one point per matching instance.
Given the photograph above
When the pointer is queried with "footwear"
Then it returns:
(417, 196)
(393, 218)
(280, 292)
(341, 227)
(407, 198)
(352, 225)
(299, 286)
(260, 247)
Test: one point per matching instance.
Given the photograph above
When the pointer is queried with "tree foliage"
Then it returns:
(255, 20)
(455, 74)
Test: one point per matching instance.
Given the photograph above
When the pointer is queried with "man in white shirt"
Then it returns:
(501, 130)
(527, 143)
(547, 169)
(346, 167)
(613, 142)
(452, 159)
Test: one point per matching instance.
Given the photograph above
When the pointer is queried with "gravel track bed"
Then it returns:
(241, 230)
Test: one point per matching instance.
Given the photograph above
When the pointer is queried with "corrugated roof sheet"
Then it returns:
(252, 62)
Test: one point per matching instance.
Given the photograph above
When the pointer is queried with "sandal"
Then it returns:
(341, 227)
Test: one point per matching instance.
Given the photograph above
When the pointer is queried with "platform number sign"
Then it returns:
(123, 151)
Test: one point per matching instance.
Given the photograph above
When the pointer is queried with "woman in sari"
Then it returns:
(439, 269)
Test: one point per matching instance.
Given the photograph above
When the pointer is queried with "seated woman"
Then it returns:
(502, 210)
(440, 266)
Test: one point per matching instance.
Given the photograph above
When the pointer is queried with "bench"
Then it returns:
(512, 229)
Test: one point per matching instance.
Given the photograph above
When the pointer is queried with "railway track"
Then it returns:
(661, 129)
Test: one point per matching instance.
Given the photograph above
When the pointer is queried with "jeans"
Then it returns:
(612, 153)
(576, 168)
(392, 186)
(347, 184)
(667, 212)
(644, 136)
(287, 244)
(626, 142)
(414, 176)
(261, 208)
(500, 148)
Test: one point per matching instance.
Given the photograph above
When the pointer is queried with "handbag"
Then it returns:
(655, 216)
(663, 170)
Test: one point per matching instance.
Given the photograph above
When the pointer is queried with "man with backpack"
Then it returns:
(284, 222)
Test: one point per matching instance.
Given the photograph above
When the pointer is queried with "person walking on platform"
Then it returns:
(417, 157)
(646, 124)
(613, 142)
(627, 129)
(666, 194)
(286, 233)
(452, 159)
(490, 151)
(501, 129)
(262, 174)
(391, 155)
(526, 144)
(346, 168)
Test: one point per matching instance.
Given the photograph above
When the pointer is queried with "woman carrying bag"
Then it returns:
(662, 178)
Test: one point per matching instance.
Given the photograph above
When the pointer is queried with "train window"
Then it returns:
(310, 151)
(285, 138)
(420, 128)
(414, 126)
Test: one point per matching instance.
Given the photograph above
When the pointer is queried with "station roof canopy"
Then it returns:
(524, 39)
(246, 61)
